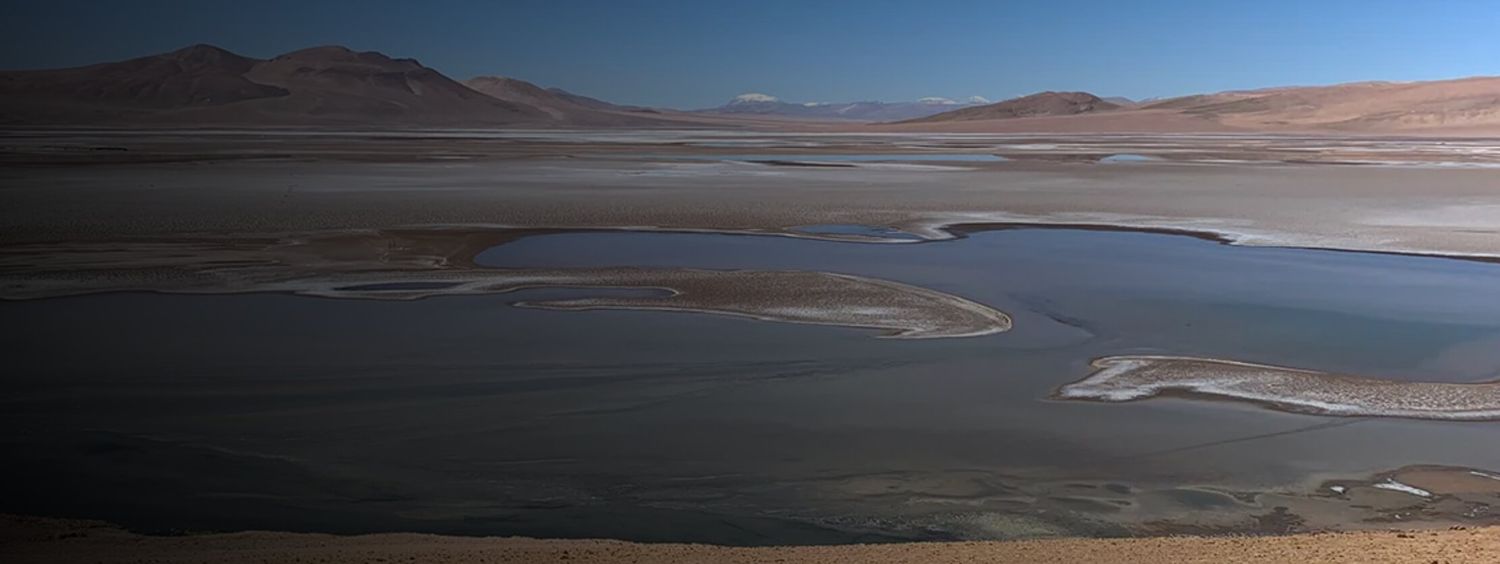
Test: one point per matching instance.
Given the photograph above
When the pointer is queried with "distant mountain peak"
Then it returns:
(937, 101)
(754, 98)
(978, 100)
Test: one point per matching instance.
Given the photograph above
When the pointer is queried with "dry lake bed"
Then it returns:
(749, 339)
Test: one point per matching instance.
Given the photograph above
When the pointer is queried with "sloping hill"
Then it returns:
(1035, 105)
(521, 92)
(200, 75)
(338, 84)
(566, 108)
(1462, 106)
(193, 76)
(207, 85)
(763, 105)
(1362, 106)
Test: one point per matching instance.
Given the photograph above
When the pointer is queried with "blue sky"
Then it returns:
(700, 53)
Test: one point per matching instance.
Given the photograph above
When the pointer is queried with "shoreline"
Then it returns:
(35, 539)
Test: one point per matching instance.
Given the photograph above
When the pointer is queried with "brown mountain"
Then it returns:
(520, 91)
(1462, 104)
(337, 84)
(208, 85)
(1039, 104)
(594, 103)
(320, 86)
(566, 107)
(200, 75)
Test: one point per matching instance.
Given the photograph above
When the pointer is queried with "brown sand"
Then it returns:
(27, 540)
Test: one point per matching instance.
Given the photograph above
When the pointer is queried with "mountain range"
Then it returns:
(203, 85)
(1467, 106)
(206, 85)
(1458, 105)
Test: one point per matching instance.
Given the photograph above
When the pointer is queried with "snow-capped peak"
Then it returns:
(754, 98)
(936, 101)
(978, 100)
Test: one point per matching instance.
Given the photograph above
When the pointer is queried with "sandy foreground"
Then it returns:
(26, 540)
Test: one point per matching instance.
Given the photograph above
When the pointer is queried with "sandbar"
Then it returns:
(407, 265)
(1131, 378)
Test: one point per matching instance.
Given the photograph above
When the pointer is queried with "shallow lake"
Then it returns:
(461, 414)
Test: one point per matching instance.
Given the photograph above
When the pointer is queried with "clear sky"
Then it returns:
(698, 53)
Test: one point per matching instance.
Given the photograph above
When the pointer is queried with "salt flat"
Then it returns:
(1420, 196)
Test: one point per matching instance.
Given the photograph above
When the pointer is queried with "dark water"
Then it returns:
(461, 414)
